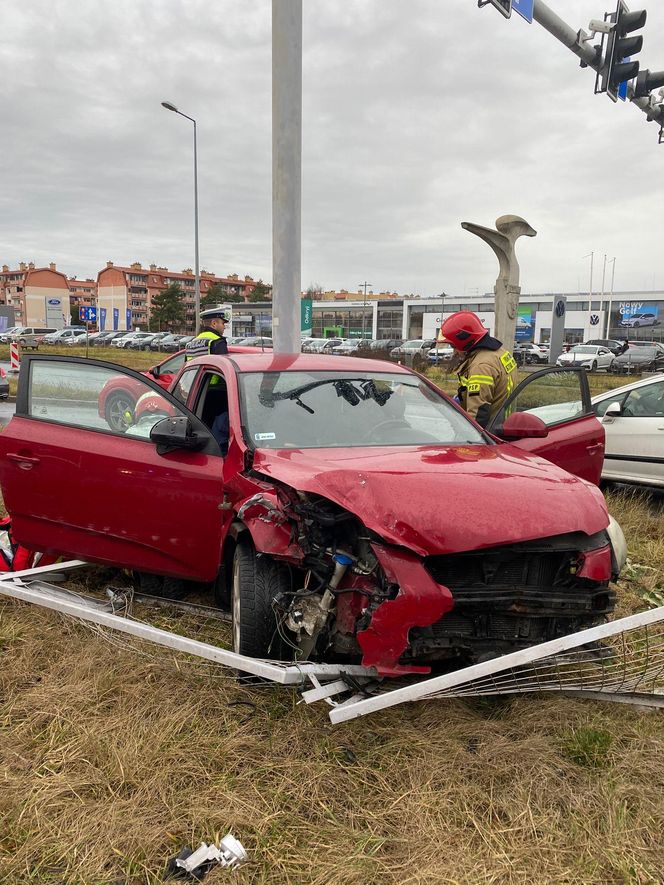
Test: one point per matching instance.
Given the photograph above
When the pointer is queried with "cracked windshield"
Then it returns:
(297, 410)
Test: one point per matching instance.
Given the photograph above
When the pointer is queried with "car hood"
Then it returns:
(577, 357)
(437, 500)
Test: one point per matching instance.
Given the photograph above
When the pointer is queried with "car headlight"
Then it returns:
(618, 546)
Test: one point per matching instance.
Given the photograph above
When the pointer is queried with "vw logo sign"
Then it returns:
(54, 301)
(560, 308)
(594, 319)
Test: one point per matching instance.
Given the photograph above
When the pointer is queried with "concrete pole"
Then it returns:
(286, 174)
(610, 307)
(507, 289)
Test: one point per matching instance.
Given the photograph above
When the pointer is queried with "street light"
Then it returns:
(364, 303)
(197, 283)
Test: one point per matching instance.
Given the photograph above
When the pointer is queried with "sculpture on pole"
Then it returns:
(507, 289)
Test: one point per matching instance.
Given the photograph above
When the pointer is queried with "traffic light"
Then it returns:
(646, 82)
(621, 48)
(504, 7)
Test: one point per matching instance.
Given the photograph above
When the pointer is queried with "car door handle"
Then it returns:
(594, 448)
(25, 462)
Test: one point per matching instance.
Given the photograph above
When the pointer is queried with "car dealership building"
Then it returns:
(623, 315)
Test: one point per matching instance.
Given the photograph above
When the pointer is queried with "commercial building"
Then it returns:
(625, 314)
(38, 295)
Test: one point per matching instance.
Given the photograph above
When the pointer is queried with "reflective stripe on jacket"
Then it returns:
(206, 342)
(486, 379)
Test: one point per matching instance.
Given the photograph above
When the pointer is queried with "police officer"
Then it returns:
(210, 340)
(486, 375)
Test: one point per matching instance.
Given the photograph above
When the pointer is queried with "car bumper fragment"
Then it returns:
(419, 602)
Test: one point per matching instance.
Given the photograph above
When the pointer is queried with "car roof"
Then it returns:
(618, 391)
(303, 362)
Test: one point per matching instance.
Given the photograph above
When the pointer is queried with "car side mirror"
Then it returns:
(522, 425)
(176, 433)
(154, 371)
(614, 410)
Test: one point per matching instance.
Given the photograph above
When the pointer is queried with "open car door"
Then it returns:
(77, 484)
(561, 398)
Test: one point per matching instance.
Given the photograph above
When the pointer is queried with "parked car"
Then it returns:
(4, 384)
(256, 341)
(392, 579)
(30, 337)
(351, 347)
(8, 334)
(441, 355)
(633, 420)
(137, 339)
(590, 356)
(323, 345)
(416, 346)
(382, 347)
(637, 359)
(530, 354)
(104, 338)
(169, 338)
(640, 319)
(124, 339)
(611, 344)
(176, 343)
(63, 337)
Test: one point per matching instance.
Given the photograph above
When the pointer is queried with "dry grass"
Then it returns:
(113, 760)
(115, 755)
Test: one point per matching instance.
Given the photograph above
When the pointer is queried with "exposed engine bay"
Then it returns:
(353, 596)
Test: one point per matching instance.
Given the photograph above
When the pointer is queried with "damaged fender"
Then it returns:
(419, 602)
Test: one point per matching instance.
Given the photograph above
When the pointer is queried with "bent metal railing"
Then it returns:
(621, 661)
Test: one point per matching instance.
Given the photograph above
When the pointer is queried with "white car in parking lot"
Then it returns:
(632, 417)
(633, 421)
(590, 356)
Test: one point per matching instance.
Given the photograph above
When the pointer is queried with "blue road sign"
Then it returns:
(524, 8)
(88, 314)
(622, 89)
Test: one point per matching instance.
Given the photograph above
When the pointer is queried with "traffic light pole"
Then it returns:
(578, 43)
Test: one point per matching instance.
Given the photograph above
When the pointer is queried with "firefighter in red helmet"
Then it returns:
(486, 375)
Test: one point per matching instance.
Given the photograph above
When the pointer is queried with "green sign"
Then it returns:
(306, 316)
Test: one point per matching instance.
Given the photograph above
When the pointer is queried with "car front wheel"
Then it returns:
(118, 405)
(593, 368)
(257, 581)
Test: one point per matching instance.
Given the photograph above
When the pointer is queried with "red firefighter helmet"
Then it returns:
(152, 404)
(463, 330)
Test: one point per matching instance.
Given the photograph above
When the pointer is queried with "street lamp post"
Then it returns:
(364, 303)
(197, 282)
(590, 255)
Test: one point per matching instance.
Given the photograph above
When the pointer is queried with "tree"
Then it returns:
(217, 294)
(260, 292)
(168, 311)
(314, 291)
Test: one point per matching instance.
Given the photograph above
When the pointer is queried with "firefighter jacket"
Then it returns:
(206, 342)
(486, 379)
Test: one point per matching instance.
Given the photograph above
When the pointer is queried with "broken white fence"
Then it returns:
(620, 661)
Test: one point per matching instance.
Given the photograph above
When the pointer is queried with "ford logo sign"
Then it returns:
(54, 301)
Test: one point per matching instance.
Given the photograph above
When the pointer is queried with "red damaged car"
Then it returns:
(359, 514)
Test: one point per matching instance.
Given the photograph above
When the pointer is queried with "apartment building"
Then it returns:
(124, 294)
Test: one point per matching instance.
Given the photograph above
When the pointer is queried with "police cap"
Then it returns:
(215, 313)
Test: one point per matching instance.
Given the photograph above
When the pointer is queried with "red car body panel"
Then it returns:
(60, 500)
(578, 445)
(420, 602)
(444, 500)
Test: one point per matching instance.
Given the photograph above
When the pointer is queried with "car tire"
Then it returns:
(117, 404)
(593, 368)
(636, 325)
(256, 581)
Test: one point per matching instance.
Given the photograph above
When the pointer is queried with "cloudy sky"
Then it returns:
(417, 115)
